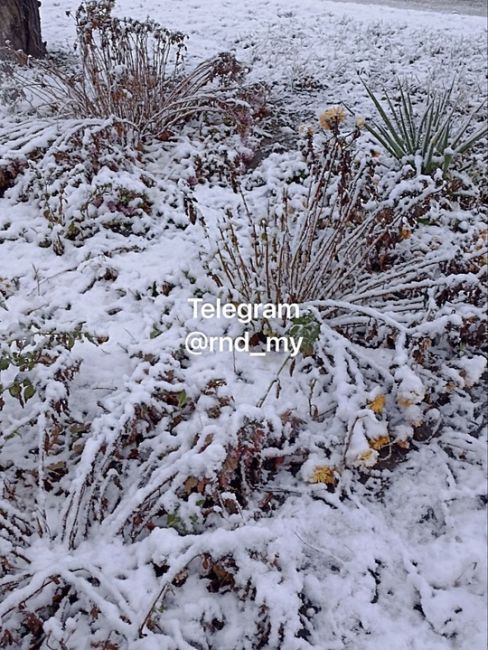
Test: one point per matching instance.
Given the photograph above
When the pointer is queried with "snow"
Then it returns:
(392, 558)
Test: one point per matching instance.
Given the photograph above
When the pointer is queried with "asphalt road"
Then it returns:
(470, 7)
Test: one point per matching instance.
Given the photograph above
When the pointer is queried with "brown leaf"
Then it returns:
(34, 623)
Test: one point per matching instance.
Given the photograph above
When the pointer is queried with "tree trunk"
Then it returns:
(20, 25)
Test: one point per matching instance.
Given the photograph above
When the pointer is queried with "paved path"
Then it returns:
(470, 7)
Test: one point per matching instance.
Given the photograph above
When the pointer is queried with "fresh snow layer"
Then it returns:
(405, 572)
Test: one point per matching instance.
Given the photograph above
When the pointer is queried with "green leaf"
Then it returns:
(182, 399)
(174, 521)
(29, 391)
(308, 329)
(433, 134)
(15, 390)
(155, 332)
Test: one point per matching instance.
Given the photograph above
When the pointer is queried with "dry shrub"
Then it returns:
(319, 234)
(86, 179)
(347, 246)
(133, 70)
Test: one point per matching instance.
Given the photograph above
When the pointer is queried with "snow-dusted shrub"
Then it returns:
(116, 201)
(134, 71)
(167, 517)
(187, 469)
(167, 522)
(85, 179)
(346, 246)
(430, 139)
(37, 366)
(327, 226)
(21, 356)
(38, 363)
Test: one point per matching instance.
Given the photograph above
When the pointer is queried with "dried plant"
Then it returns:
(316, 238)
(133, 70)
(343, 244)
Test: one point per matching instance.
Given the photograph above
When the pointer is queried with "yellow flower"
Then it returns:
(379, 443)
(331, 118)
(324, 474)
(378, 404)
(367, 458)
(404, 402)
(360, 122)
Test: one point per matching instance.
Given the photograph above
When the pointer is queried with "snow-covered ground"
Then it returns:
(218, 23)
(399, 562)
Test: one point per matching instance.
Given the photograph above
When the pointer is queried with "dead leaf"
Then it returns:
(378, 404)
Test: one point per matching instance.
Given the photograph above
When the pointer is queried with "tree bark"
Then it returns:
(20, 25)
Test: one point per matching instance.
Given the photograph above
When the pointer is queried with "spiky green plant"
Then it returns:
(435, 134)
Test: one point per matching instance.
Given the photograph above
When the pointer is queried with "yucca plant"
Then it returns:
(435, 134)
